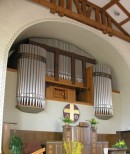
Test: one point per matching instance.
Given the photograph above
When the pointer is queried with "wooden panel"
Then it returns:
(38, 136)
(93, 141)
(86, 135)
(60, 94)
(81, 134)
(42, 137)
(54, 147)
(6, 137)
(111, 138)
(87, 95)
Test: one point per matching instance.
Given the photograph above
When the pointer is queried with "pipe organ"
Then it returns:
(102, 92)
(70, 74)
(31, 77)
(70, 54)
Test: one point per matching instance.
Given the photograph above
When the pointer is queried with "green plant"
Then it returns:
(73, 147)
(16, 145)
(67, 120)
(120, 144)
(93, 121)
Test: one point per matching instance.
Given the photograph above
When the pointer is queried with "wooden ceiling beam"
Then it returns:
(123, 9)
(118, 26)
(52, 10)
(61, 3)
(107, 6)
(69, 4)
(104, 21)
(124, 21)
(97, 15)
(83, 6)
(103, 16)
(89, 11)
(78, 7)
(92, 5)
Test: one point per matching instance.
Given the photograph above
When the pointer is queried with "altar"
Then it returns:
(85, 135)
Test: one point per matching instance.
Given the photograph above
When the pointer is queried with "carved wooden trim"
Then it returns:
(63, 52)
(83, 6)
(78, 7)
(56, 64)
(79, 16)
(84, 71)
(89, 11)
(73, 69)
(69, 4)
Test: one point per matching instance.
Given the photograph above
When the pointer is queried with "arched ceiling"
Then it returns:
(85, 39)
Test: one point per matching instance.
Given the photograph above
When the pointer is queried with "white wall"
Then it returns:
(19, 15)
(49, 119)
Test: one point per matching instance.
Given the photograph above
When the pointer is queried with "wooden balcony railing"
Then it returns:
(86, 13)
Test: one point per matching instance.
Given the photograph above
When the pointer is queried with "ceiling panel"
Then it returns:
(100, 3)
(116, 13)
(126, 4)
(126, 26)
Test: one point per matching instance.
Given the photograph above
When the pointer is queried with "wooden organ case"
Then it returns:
(68, 72)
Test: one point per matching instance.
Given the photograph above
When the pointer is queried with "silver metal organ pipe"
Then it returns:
(102, 92)
(31, 76)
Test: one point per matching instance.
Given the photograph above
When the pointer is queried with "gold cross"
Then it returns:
(71, 111)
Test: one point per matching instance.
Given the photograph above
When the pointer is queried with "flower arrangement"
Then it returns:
(93, 122)
(67, 120)
(120, 144)
(73, 147)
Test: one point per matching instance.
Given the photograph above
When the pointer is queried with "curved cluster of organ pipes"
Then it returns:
(102, 91)
(31, 76)
(35, 62)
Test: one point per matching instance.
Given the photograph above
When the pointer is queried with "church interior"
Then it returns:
(65, 59)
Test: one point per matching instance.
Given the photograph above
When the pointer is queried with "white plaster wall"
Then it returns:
(17, 15)
(49, 119)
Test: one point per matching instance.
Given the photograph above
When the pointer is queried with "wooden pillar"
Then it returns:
(73, 68)
(56, 64)
(6, 137)
(84, 71)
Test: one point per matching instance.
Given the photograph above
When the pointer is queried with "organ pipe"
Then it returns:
(64, 60)
(102, 92)
(31, 76)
